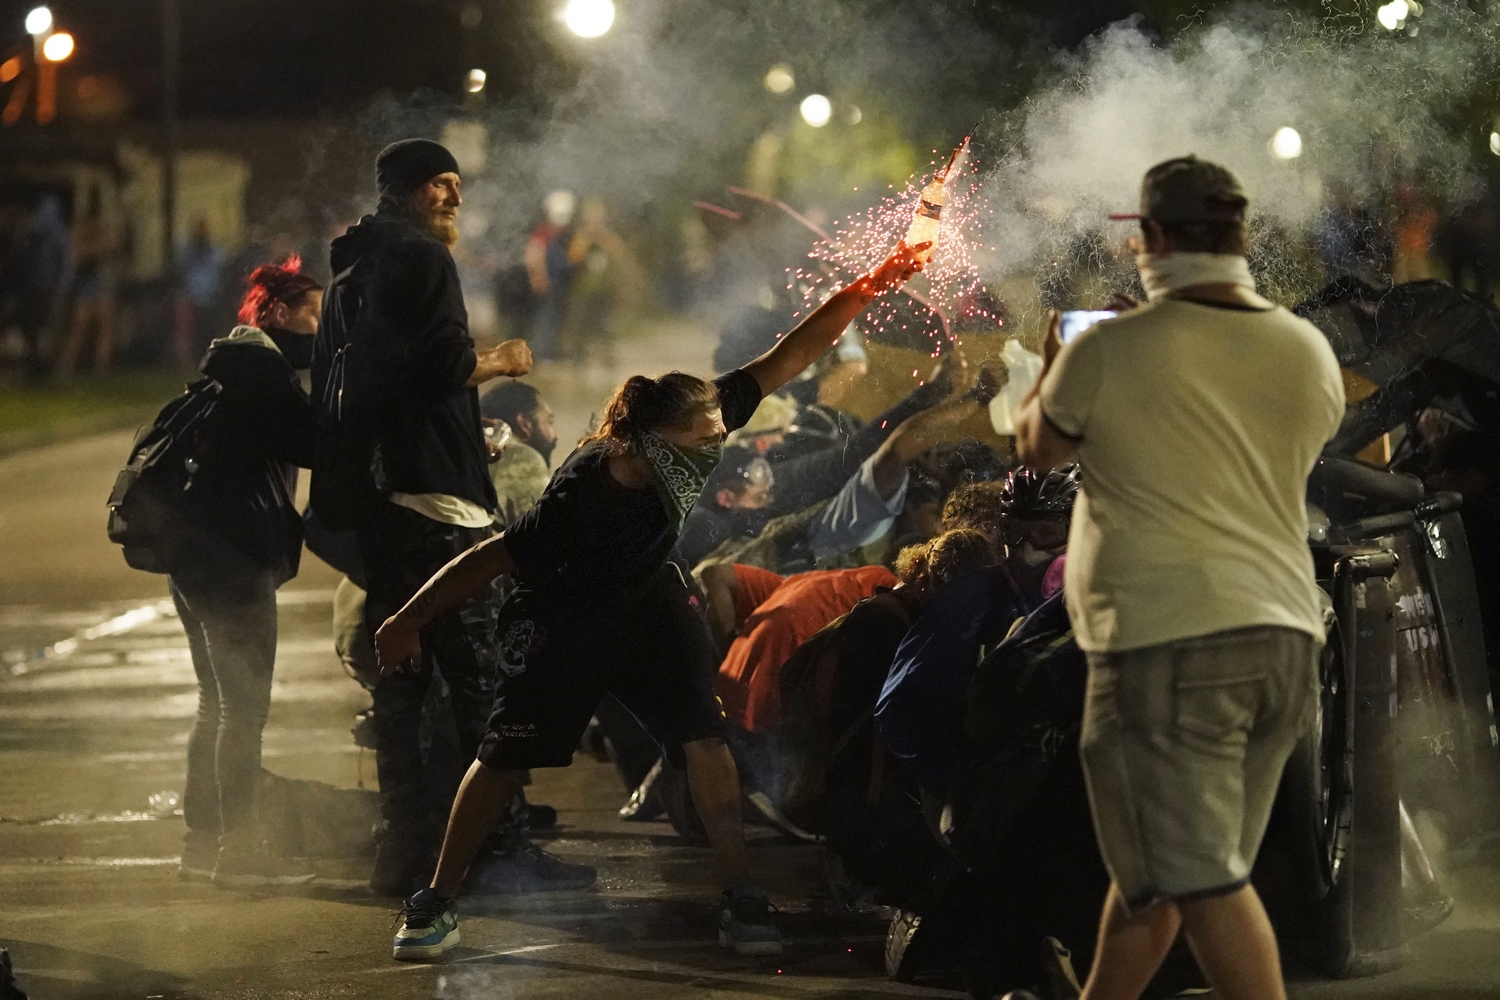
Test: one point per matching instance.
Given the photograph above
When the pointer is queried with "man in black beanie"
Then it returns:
(396, 304)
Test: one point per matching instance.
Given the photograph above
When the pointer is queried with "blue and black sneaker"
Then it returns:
(429, 927)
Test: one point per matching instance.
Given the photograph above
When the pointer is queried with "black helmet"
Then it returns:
(1030, 496)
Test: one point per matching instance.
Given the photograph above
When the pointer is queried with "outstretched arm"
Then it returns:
(817, 333)
(397, 642)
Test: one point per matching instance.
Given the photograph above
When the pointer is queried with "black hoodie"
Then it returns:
(415, 330)
(245, 517)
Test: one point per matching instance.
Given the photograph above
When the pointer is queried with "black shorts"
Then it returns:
(655, 657)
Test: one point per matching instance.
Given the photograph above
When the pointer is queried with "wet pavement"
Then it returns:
(96, 697)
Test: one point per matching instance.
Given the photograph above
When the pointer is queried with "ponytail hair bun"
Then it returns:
(273, 283)
(641, 405)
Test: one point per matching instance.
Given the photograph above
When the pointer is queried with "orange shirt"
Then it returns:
(749, 681)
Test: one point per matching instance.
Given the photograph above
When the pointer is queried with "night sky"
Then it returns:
(302, 57)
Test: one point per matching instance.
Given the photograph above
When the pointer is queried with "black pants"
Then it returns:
(401, 550)
(230, 620)
(653, 654)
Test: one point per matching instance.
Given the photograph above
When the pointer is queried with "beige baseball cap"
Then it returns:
(1188, 189)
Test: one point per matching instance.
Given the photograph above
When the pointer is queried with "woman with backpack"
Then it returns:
(242, 540)
(599, 607)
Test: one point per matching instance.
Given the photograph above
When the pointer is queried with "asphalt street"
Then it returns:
(96, 698)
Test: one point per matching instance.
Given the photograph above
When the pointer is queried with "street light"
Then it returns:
(589, 18)
(39, 21)
(58, 47)
(475, 81)
(1286, 144)
(1394, 15)
(779, 79)
(816, 110)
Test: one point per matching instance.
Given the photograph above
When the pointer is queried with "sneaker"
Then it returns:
(429, 927)
(528, 868)
(1057, 966)
(251, 868)
(745, 922)
(199, 855)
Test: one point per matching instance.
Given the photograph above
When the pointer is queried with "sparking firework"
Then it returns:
(861, 241)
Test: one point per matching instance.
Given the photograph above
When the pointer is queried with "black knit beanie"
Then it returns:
(403, 166)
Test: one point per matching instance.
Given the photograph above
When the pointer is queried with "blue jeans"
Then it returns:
(230, 622)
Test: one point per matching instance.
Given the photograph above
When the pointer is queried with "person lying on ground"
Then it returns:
(599, 608)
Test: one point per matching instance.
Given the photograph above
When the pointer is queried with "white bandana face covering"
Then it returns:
(1162, 274)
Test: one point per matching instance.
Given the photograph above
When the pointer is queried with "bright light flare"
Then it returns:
(57, 47)
(1286, 144)
(39, 21)
(779, 79)
(474, 82)
(816, 110)
(1495, 143)
(1392, 16)
(589, 18)
(10, 69)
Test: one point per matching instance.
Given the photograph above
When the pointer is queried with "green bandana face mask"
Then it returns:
(679, 474)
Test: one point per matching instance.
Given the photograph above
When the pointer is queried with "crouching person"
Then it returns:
(244, 540)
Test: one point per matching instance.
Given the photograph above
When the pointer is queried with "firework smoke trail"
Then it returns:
(862, 241)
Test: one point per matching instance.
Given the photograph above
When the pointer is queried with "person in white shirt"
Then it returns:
(1195, 419)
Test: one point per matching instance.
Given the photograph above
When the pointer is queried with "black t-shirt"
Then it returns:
(591, 542)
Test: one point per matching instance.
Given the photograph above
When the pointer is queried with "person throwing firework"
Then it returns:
(599, 608)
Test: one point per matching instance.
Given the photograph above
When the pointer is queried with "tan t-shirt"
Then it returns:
(1198, 427)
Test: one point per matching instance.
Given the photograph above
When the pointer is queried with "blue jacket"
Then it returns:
(921, 707)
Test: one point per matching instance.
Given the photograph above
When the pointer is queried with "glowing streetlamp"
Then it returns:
(1394, 15)
(39, 21)
(589, 18)
(816, 110)
(779, 79)
(474, 82)
(57, 47)
(1286, 144)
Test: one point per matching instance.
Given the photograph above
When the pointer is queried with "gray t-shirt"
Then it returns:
(1198, 427)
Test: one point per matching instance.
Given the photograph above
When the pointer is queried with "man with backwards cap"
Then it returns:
(431, 466)
(1196, 419)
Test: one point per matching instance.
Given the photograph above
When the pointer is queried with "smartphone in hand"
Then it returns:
(1075, 321)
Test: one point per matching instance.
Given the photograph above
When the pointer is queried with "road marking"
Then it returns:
(23, 661)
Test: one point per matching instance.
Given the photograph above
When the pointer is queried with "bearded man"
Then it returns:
(430, 473)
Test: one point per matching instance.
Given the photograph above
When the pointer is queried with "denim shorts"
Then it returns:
(1183, 747)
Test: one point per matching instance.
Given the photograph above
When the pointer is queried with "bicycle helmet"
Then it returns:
(1030, 496)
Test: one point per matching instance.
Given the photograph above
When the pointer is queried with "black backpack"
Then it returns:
(149, 507)
(345, 483)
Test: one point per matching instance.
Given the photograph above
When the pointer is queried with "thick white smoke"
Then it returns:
(1367, 104)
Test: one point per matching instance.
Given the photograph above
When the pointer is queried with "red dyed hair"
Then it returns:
(273, 283)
